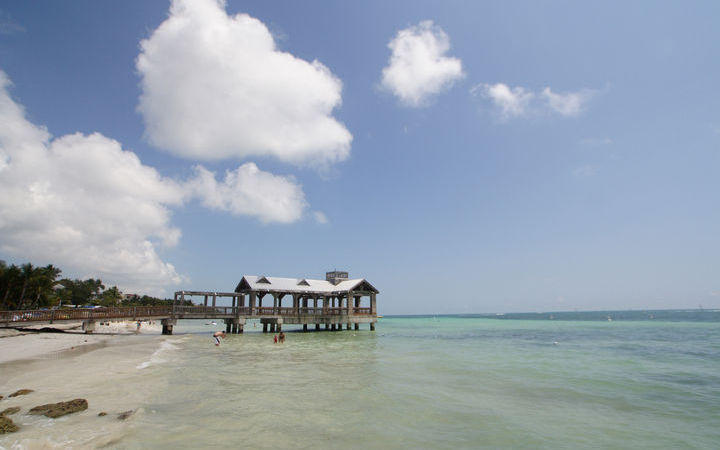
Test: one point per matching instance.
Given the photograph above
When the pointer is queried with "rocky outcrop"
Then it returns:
(54, 410)
(20, 392)
(11, 410)
(126, 414)
(7, 425)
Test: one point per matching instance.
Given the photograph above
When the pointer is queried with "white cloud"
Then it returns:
(567, 104)
(215, 86)
(519, 101)
(510, 102)
(85, 204)
(320, 217)
(250, 191)
(418, 67)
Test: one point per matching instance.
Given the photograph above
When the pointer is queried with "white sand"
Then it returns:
(34, 345)
(18, 345)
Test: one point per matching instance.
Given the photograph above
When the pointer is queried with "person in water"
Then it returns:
(275, 339)
(282, 337)
(217, 335)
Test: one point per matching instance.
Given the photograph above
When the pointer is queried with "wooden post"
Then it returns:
(265, 327)
(251, 303)
(373, 304)
(206, 298)
(214, 298)
(372, 326)
(275, 304)
(317, 327)
(357, 326)
(304, 327)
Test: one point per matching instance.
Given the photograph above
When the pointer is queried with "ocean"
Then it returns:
(570, 381)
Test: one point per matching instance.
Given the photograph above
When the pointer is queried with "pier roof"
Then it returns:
(302, 285)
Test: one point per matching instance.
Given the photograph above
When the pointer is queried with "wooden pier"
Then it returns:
(329, 304)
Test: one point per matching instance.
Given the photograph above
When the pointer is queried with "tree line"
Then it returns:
(32, 287)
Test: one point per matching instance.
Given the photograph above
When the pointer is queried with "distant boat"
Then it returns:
(379, 317)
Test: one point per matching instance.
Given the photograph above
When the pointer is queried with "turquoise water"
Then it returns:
(446, 382)
(416, 382)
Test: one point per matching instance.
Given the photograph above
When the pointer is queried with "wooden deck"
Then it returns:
(232, 315)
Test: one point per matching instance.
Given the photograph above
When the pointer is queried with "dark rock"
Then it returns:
(20, 392)
(1, 397)
(11, 410)
(54, 410)
(126, 414)
(102, 413)
(7, 425)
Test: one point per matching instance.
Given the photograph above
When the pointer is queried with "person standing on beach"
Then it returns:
(275, 339)
(282, 337)
(217, 335)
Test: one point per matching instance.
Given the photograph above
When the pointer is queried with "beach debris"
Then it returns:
(10, 410)
(102, 413)
(7, 425)
(20, 392)
(59, 409)
(126, 414)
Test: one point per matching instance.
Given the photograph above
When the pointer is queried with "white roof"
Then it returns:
(293, 284)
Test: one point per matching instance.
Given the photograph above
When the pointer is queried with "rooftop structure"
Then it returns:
(331, 285)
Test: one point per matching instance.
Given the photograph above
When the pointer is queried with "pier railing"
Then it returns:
(134, 312)
(50, 315)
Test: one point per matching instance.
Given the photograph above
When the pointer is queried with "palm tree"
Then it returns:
(28, 272)
(44, 283)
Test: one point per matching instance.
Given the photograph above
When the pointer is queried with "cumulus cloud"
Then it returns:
(418, 67)
(215, 86)
(510, 102)
(85, 204)
(519, 101)
(567, 104)
(250, 191)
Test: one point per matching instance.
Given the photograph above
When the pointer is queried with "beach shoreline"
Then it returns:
(35, 342)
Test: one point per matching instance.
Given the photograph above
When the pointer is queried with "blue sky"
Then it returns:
(545, 156)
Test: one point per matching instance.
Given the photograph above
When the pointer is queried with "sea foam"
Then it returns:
(160, 355)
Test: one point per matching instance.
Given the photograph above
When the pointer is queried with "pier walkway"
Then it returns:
(329, 303)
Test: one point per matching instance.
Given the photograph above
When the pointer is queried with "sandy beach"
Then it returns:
(28, 344)
(109, 370)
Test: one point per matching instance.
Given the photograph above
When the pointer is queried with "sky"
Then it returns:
(464, 157)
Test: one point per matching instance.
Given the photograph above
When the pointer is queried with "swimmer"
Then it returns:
(275, 339)
(217, 335)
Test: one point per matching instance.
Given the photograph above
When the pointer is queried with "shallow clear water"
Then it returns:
(446, 382)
